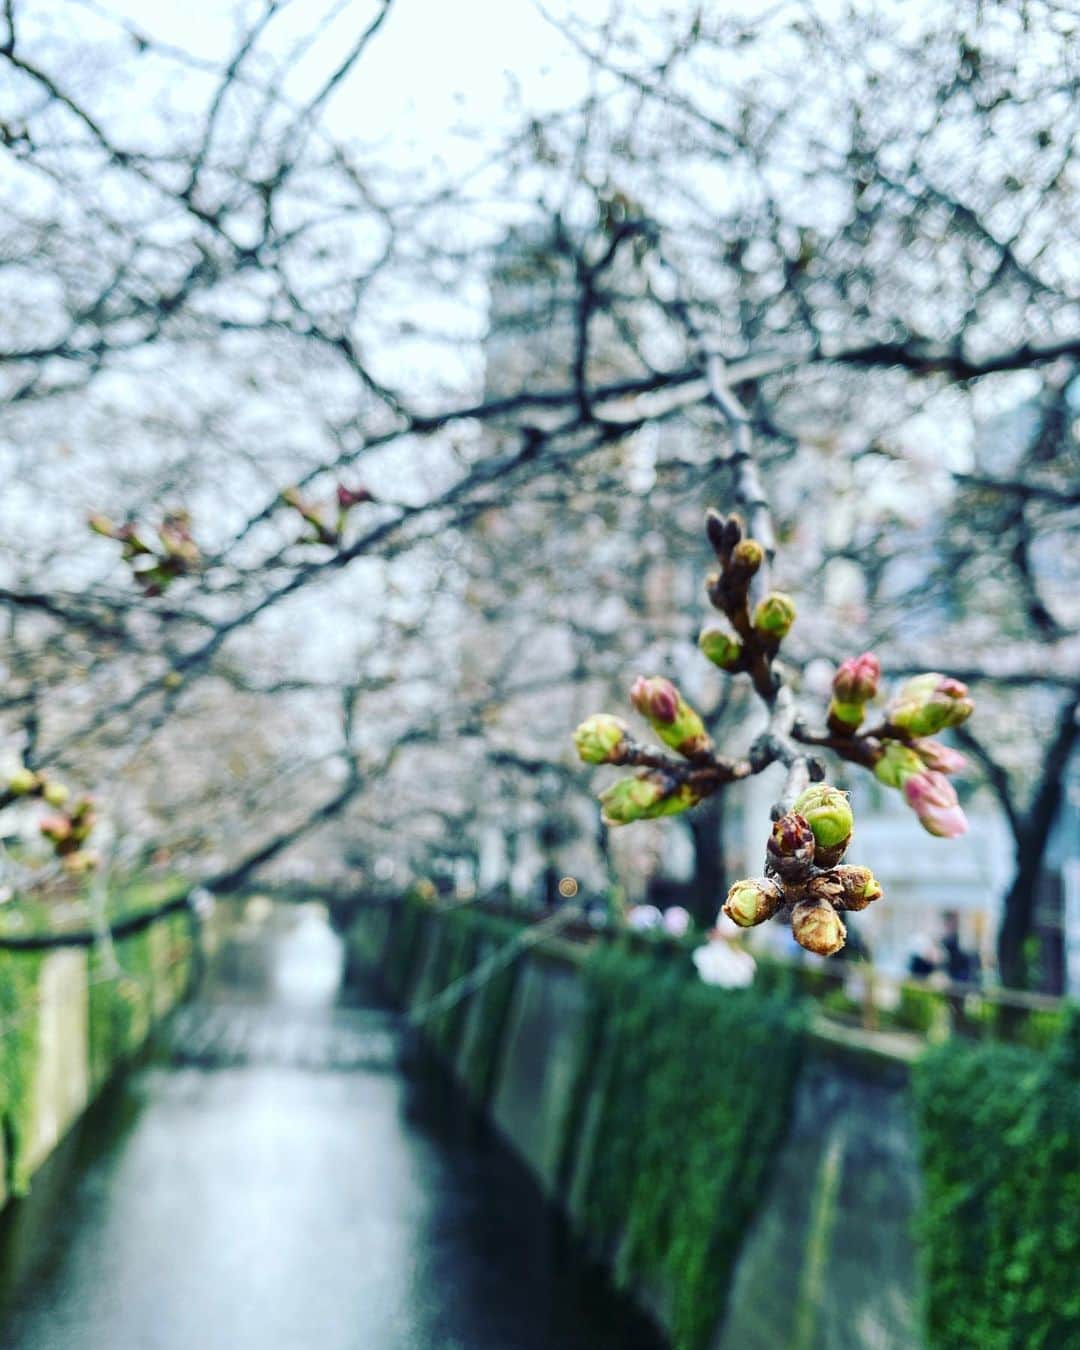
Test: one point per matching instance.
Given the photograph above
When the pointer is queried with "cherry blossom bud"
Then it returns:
(645, 797)
(22, 782)
(350, 497)
(669, 714)
(134, 545)
(600, 739)
(942, 758)
(828, 813)
(933, 799)
(897, 764)
(854, 684)
(80, 861)
(790, 850)
(929, 703)
(291, 497)
(774, 615)
(724, 532)
(856, 680)
(56, 794)
(747, 556)
(858, 887)
(175, 535)
(102, 525)
(714, 528)
(57, 828)
(721, 648)
(816, 926)
(752, 901)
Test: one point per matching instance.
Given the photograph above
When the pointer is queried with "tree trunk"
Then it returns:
(1018, 915)
(710, 881)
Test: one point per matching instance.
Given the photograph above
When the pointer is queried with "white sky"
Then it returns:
(434, 63)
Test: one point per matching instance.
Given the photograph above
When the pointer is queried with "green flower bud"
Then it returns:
(747, 556)
(897, 764)
(816, 926)
(929, 703)
(80, 861)
(102, 525)
(56, 794)
(22, 782)
(828, 813)
(670, 716)
(774, 615)
(858, 887)
(645, 797)
(753, 901)
(721, 648)
(600, 739)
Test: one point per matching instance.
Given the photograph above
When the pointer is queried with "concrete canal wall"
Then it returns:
(807, 1241)
(70, 1017)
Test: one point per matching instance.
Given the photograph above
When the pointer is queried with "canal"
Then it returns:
(278, 1179)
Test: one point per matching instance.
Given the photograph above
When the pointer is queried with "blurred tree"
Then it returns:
(211, 293)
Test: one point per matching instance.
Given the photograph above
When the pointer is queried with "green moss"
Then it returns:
(695, 1087)
(921, 1010)
(454, 958)
(121, 1003)
(403, 947)
(19, 987)
(480, 1061)
(999, 1228)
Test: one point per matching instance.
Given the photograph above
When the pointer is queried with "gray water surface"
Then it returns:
(283, 1184)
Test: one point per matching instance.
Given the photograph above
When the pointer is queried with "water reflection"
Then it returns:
(272, 1206)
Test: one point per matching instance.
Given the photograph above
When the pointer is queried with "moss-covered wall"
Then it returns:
(69, 1017)
(661, 1158)
(999, 1136)
(758, 1178)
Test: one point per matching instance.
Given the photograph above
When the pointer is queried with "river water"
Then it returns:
(281, 1182)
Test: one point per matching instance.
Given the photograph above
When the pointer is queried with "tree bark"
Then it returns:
(1032, 837)
(710, 882)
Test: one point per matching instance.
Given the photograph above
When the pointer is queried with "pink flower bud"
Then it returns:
(348, 497)
(790, 849)
(942, 758)
(56, 828)
(856, 680)
(656, 698)
(671, 717)
(933, 799)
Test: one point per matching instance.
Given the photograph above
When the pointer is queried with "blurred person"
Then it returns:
(962, 967)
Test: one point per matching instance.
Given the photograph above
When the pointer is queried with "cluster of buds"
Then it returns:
(318, 517)
(25, 782)
(68, 830)
(901, 750)
(758, 630)
(154, 566)
(919, 769)
(660, 789)
(805, 877)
